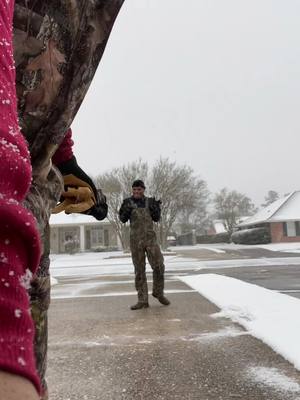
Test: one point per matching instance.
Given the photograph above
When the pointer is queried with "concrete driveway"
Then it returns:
(100, 349)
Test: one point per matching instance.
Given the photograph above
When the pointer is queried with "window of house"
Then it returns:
(96, 237)
(106, 238)
(291, 228)
(297, 228)
(69, 240)
(88, 244)
(70, 235)
(284, 229)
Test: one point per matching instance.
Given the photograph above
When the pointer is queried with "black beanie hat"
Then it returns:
(138, 183)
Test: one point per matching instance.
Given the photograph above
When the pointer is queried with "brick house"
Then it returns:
(282, 218)
(79, 233)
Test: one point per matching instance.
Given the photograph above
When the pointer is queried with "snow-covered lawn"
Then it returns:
(215, 248)
(283, 247)
(222, 247)
(270, 316)
(93, 264)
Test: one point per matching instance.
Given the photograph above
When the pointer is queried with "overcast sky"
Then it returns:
(214, 84)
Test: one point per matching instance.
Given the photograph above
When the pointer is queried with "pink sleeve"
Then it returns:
(64, 152)
(19, 239)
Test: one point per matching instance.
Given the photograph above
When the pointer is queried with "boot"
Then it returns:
(139, 305)
(162, 299)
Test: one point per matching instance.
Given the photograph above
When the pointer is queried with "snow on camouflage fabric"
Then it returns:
(58, 46)
(19, 241)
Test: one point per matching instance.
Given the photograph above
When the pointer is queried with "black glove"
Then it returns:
(128, 204)
(80, 195)
(125, 210)
(154, 207)
(153, 203)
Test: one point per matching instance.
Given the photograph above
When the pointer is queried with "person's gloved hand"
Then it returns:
(154, 204)
(125, 210)
(154, 207)
(80, 195)
(128, 205)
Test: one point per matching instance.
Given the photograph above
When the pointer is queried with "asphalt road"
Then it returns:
(285, 279)
(100, 349)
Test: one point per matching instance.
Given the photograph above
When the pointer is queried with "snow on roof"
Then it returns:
(73, 219)
(219, 226)
(284, 209)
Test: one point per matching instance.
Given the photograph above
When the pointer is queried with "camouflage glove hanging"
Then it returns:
(80, 195)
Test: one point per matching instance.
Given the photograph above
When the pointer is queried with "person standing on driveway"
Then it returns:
(142, 211)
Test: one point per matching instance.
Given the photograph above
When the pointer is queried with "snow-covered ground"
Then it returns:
(222, 247)
(270, 316)
(273, 378)
(118, 262)
(93, 264)
(283, 247)
(215, 247)
(267, 315)
(53, 281)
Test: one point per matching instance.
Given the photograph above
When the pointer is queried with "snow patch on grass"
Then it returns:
(94, 264)
(269, 316)
(282, 247)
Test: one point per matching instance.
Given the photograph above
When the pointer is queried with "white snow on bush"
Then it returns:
(270, 316)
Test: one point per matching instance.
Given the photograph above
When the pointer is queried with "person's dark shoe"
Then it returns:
(162, 299)
(139, 306)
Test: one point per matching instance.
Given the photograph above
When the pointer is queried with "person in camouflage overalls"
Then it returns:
(58, 45)
(141, 211)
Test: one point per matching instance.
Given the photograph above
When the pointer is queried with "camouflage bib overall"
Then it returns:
(57, 47)
(143, 242)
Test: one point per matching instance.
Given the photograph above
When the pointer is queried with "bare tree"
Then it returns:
(230, 205)
(180, 191)
(194, 214)
(116, 185)
(182, 194)
(270, 198)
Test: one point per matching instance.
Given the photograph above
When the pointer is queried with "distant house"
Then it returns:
(218, 226)
(282, 218)
(78, 233)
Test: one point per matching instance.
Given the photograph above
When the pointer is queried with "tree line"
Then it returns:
(187, 204)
